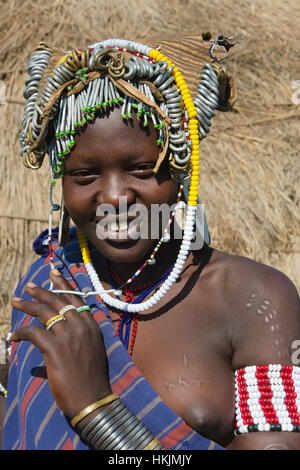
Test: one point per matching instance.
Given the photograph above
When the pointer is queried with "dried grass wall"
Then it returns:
(250, 162)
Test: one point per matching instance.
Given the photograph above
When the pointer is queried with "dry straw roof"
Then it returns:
(250, 161)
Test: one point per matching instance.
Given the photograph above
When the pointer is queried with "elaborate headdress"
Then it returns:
(66, 91)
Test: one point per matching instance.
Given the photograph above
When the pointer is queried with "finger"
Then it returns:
(61, 283)
(42, 312)
(37, 335)
(35, 309)
(43, 296)
(56, 301)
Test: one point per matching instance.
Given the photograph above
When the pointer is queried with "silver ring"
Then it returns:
(66, 309)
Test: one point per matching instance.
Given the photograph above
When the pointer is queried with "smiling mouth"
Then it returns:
(120, 230)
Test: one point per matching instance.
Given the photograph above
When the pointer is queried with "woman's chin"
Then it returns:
(125, 251)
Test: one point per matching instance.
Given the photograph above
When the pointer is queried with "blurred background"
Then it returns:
(250, 165)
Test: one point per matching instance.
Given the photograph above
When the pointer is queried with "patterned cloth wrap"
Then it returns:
(32, 419)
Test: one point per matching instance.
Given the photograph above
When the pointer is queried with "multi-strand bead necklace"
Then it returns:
(126, 320)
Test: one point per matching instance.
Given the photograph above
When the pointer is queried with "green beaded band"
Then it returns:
(82, 71)
(65, 138)
(63, 133)
(82, 309)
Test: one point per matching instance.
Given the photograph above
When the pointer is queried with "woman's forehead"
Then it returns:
(112, 124)
(110, 135)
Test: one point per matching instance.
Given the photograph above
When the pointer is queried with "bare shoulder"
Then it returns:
(261, 306)
(239, 283)
(243, 278)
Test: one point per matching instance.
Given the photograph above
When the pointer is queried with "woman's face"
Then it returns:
(112, 165)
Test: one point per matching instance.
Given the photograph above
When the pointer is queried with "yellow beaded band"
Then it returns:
(152, 444)
(94, 406)
(53, 319)
(86, 257)
(193, 123)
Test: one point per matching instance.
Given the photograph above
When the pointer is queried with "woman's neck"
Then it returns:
(165, 259)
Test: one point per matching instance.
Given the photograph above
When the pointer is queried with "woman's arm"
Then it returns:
(77, 369)
(266, 328)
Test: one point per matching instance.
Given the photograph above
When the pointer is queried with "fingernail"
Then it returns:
(17, 298)
(56, 272)
(30, 284)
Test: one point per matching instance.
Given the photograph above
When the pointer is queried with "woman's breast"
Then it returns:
(193, 380)
(203, 398)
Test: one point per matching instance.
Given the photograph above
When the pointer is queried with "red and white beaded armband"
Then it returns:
(267, 398)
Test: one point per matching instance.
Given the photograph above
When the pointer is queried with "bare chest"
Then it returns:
(180, 351)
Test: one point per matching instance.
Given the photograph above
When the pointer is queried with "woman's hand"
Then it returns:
(73, 350)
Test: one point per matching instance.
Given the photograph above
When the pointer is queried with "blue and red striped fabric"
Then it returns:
(32, 419)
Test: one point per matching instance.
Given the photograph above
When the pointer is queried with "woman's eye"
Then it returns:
(84, 175)
(143, 170)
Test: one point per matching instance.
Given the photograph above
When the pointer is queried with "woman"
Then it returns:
(190, 326)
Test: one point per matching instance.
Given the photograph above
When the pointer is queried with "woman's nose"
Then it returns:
(116, 192)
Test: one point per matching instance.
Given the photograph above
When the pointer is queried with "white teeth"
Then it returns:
(114, 226)
(123, 225)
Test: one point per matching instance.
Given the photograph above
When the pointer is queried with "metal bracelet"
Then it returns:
(105, 415)
(138, 437)
(101, 414)
(90, 430)
(116, 428)
(116, 436)
(125, 440)
(107, 426)
(112, 423)
(103, 429)
(128, 444)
